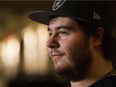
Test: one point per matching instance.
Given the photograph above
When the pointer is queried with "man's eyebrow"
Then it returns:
(60, 27)
(63, 26)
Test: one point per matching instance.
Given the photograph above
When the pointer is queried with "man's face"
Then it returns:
(68, 48)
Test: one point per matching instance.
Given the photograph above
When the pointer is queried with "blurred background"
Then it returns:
(24, 60)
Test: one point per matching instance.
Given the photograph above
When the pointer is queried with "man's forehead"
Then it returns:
(57, 18)
(62, 22)
(56, 22)
(61, 19)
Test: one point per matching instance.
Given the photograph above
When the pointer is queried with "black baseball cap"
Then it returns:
(95, 12)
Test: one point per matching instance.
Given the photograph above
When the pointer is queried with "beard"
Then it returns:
(79, 62)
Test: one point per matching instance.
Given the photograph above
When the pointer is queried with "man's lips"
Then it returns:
(56, 56)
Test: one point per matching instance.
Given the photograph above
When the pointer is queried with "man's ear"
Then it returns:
(98, 37)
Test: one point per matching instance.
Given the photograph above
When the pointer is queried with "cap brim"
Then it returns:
(41, 16)
(44, 16)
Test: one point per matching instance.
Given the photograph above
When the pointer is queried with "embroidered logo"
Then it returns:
(57, 4)
(96, 16)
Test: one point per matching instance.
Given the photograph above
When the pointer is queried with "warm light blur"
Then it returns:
(11, 52)
(10, 55)
(42, 36)
(30, 50)
(35, 51)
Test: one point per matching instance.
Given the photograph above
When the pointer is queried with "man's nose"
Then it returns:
(52, 43)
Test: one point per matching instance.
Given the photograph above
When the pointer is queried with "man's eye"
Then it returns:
(63, 33)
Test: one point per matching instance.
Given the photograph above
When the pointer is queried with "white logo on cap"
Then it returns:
(96, 16)
(57, 4)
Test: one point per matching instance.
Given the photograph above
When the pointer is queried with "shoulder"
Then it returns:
(106, 82)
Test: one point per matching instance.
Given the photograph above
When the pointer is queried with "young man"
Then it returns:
(80, 42)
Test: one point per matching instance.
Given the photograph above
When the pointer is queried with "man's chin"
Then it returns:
(60, 69)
